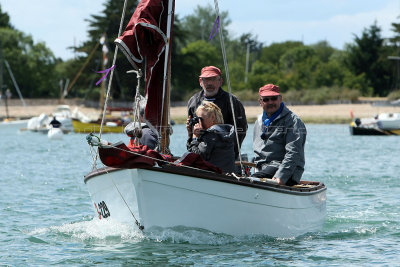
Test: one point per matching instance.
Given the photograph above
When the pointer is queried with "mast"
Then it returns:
(68, 87)
(4, 95)
(165, 127)
(104, 64)
(247, 63)
(15, 82)
(1, 70)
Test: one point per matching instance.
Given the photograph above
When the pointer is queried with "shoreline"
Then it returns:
(325, 114)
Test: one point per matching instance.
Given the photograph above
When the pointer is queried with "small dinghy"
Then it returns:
(55, 134)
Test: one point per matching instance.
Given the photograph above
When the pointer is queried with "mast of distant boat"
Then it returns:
(1, 83)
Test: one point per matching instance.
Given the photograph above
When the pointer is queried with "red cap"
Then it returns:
(269, 90)
(210, 71)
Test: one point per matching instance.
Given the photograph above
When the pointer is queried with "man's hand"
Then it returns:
(278, 180)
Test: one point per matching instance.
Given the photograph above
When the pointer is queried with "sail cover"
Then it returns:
(144, 43)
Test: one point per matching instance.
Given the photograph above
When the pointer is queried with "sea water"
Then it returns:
(47, 217)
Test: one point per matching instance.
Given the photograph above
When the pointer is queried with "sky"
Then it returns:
(61, 23)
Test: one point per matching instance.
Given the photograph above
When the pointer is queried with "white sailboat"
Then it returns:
(142, 187)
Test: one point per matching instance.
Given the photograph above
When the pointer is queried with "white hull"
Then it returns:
(55, 134)
(389, 121)
(223, 205)
(383, 121)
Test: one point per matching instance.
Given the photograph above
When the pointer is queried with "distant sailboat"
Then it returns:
(7, 94)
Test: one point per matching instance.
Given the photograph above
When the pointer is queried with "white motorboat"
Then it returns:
(41, 122)
(382, 124)
(147, 188)
(389, 121)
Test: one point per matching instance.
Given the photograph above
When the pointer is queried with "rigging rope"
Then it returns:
(112, 70)
(221, 37)
(141, 227)
(105, 107)
(110, 80)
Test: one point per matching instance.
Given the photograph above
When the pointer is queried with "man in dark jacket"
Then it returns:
(278, 140)
(210, 81)
(55, 123)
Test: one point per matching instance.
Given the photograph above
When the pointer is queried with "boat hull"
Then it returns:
(92, 127)
(354, 130)
(55, 134)
(159, 198)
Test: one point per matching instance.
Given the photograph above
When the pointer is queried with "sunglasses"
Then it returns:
(267, 99)
(210, 79)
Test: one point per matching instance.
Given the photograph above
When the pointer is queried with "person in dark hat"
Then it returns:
(278, 140)
(210, 80)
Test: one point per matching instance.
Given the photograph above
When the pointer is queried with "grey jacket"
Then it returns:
(283, 145)
(215, 145)
(148, 137)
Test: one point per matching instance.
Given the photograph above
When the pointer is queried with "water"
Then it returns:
(47, 216)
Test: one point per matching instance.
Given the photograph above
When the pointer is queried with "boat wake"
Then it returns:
(110, 230)
(94, 229)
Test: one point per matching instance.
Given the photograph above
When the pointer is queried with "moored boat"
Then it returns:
(94, 127)
(41, 123)
(382, 124)
(55, 134)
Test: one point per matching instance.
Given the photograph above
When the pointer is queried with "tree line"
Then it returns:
(316, 73)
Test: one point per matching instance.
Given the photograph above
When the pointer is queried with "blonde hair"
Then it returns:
(211, 108)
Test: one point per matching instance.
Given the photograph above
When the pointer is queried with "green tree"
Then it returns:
(237, 54)
(105, 23)
(5, 20)
(200, 24)
(323, 51)
(272, 53)
(367, 57)
(32, 64)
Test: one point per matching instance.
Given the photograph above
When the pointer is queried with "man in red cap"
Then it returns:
(211, 81)
(278, 140)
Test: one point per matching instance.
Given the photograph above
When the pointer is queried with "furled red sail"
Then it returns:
(144, 42)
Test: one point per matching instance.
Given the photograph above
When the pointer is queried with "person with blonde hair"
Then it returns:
(212, 139)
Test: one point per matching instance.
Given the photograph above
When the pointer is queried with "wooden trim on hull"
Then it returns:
(316, 187)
